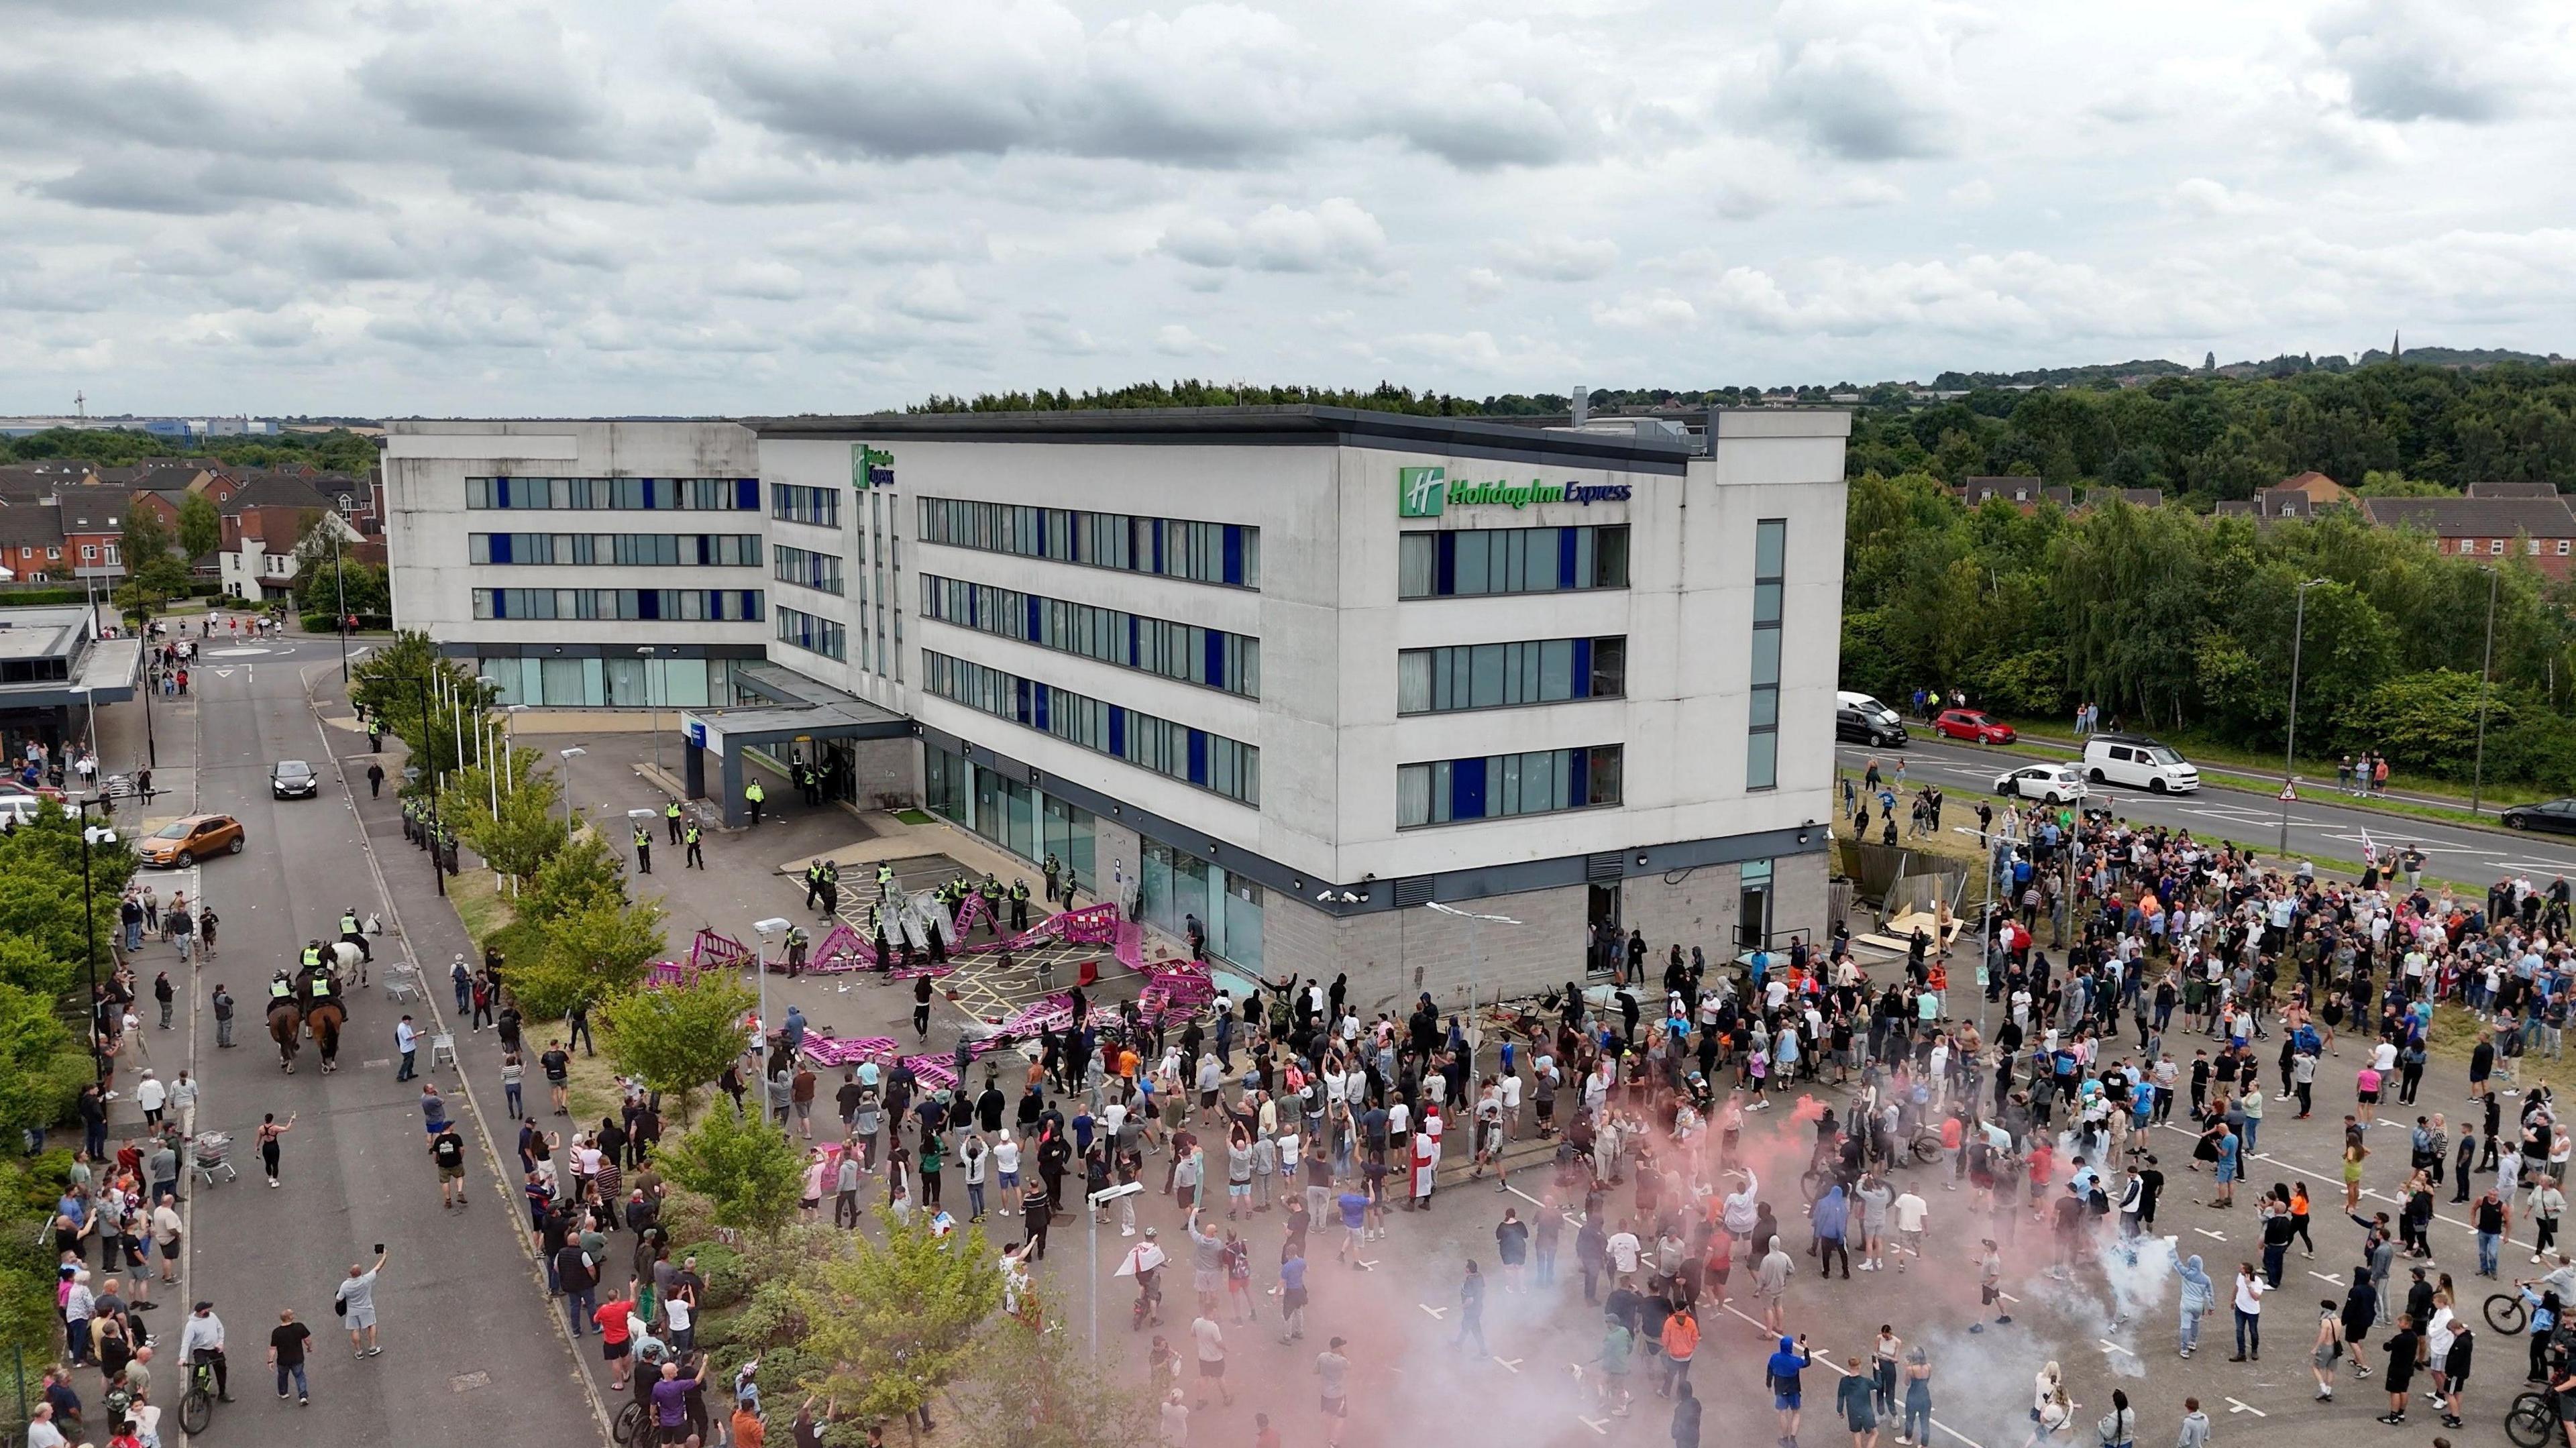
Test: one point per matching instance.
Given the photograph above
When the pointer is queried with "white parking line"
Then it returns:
(2239, 1405)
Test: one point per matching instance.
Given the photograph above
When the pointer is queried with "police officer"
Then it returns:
(754, 795)
(352, 933)
(643, 850)
(991, 890)
(280, 988)
(831, 887)
(1054, 872)
(689, 836)
(813, 883)
(885, 882)
(671, 816)
(1019, 906)
(312, 958)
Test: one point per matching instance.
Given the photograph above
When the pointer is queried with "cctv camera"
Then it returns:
(1350, 899)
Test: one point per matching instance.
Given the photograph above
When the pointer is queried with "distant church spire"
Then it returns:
(2395, 351)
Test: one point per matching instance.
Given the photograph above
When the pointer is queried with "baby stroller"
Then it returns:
(212, 1151)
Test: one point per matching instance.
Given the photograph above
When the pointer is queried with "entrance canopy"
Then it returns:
(802, 710)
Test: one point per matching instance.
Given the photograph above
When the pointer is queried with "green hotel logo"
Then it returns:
(1422, 492)
(870, 467)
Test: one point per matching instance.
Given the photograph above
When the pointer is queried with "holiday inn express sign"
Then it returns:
(1424, 492)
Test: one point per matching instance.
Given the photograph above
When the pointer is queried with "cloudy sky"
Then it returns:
(726, 206)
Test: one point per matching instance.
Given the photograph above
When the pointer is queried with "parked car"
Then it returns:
(2048, 783)
(1974, 726)
(2136, 760)
(2557, 816)
(183, 842)
(1863, 720)
(20, 806)
(293, 779)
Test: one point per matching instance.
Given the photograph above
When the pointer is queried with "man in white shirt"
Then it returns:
(1624, 1250)
(41, 1432)
(1910, 1212)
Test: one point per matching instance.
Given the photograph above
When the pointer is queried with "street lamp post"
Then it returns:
(2290, 752)
(92, 835)
(1475, 1027)
(437, 866)
(2486, 671)
(1099, 1199)
(568, 756)
(340, 581)
(776, 925)
(652, 721)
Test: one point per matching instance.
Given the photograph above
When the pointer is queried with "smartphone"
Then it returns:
(380, 1249)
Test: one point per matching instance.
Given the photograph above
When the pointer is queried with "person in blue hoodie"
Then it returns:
(1829, 1216)
(2198, 1294)
(1786, 1397)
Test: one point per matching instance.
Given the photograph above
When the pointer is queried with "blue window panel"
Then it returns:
(1445, 571)
(1158, 545)
(500, 547)
(1582, 662)
(1020, 700)
(1118, 731)
(648, 603)
(500, 603)
(1037, 629)
(1198, 757)
(1215, 659)
(751, 605)
(1040, 692)
(746, 494)
(1565, 558)
(1578, 777)
(1467, 789)
(1233, 553)
(1135, 643)
(500, 492)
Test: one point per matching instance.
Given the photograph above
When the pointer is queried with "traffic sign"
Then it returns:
(2289, 793)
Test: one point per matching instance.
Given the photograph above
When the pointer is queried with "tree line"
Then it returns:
(2184, 623)
(336, 451)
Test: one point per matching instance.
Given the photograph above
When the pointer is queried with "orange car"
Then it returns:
(183, 842)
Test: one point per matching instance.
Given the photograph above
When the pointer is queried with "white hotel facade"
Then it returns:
(1297, 673)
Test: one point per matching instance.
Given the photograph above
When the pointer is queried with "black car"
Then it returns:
(2557, 816)
(293, 779)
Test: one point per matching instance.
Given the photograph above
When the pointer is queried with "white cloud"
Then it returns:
(781, 205)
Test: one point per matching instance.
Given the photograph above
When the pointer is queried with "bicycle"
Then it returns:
(630, 1425)
(2507, 1313)
(2531, 1420)
(197, 1405)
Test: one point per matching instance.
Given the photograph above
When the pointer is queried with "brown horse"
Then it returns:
(285, 1025)
(326, 1018)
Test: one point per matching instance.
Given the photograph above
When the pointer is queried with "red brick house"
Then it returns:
(2539, 530)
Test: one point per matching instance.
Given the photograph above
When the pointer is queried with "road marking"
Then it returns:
(1512, 1363)
(2239, 1405)
(2325, 1277)
(2113, 1347)
(1434, 1311)
(2213, 1236)
(1368, 1264)
(1597, 1425)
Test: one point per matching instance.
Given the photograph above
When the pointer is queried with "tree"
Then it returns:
(201, 528)
(42, 1064)
(1036, 1389)
(581, 874)
(594, 955)
(895, 1323)
(154, 575)
(527, 831)
(407, 674)
(680, 1037)
(749, 1171)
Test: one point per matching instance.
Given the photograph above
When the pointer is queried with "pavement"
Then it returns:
(468, 1343)
(2323, 824)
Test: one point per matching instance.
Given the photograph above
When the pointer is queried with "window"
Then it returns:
(1481, 562)
(726, 605)
(2495, 545)
(111, 554)
(817, 635)
(812, 570)
(2531, 545)
(1211, 658)
(1762, 743)
(89, 553)
(1226, 553)
(643, 550)
(2562, 547)
(739, 495)
(1193, 756)
(1488, 676)
(820, 507)
(1546, 781)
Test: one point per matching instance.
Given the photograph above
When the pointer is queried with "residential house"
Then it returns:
(2513, 490)
(2316, 487)
(31, 541)
(265, 518)
(93, 524)
(2287, 501)
(2023, 493)
(2488, 527)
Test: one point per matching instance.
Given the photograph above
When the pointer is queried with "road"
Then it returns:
(2318, 826)
(471, 1352)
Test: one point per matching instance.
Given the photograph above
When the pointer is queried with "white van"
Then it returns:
(2139, 762)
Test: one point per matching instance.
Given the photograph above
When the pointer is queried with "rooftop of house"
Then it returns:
(2474, 517)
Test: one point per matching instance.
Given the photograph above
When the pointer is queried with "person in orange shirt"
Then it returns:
(748, 1430)
(1681, 1340)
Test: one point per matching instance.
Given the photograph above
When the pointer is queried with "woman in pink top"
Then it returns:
(2365, 1084)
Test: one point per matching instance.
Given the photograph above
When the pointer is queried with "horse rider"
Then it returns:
(353, 933)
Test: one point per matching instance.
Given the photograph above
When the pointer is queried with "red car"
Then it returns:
(1974, 727)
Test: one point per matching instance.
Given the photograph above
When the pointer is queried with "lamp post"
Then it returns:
(1475, 1027)
(437, 866)
(652, 721)
(776, 925)
(2290, 751)
(92, 835)
(568, 756)
(1099, 1199)
(340, 581)
(2486, 671)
